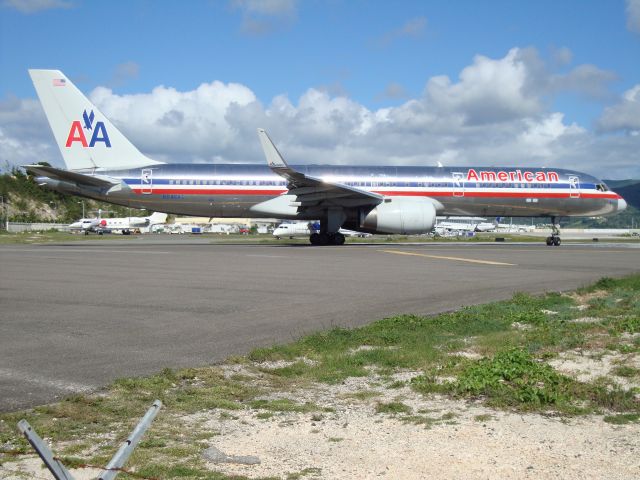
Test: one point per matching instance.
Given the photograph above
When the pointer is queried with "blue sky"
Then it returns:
(409, 82)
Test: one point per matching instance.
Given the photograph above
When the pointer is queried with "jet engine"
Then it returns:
(400, 215)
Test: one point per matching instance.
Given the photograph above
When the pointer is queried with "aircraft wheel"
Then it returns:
(549, 241)
(556, 241)
(314, 239)
(324, 239)
(338, 239)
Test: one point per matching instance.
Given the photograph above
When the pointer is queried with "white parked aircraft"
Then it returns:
(463, 224)
(297, 229)
(122, 224)
(305, 229)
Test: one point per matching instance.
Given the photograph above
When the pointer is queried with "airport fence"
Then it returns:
(18, 227)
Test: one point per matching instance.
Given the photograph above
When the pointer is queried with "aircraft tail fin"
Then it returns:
(158, 217)
(85, 137)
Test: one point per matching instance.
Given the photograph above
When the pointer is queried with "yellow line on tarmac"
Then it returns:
(459, 259)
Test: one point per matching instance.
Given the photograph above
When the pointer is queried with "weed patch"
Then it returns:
(511, 378)
(622, 419)
(284, 405)
(392, 408)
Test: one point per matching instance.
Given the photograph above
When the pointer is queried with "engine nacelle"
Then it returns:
(400, 215)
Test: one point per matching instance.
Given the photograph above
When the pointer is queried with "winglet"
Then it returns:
(274, 158)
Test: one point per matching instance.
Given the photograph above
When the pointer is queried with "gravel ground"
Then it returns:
(437, 438)
(459, 439)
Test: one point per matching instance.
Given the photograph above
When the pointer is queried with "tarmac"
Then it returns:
(76, 316)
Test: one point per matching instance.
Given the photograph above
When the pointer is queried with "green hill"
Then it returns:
(631, 193)
(25, 201)
(616, 184)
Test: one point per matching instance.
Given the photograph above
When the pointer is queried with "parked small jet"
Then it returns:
(304, 229)
(463, 224)
(296, 229)
(102, 164)
(125, 225)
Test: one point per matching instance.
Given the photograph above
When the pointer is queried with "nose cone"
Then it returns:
(621, 204)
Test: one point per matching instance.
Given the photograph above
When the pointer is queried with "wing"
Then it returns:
(73, 177)
(312, 192)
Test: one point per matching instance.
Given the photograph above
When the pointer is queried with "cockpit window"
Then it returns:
(602, 187)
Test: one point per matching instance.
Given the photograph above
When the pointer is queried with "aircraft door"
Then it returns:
(574, 187)
(146, 180)
(458, 184)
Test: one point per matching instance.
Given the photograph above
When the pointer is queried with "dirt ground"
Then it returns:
(433, 437)
(440, 438)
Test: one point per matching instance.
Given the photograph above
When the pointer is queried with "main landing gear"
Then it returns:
(326, 238)
(554, 238)
(330, 228)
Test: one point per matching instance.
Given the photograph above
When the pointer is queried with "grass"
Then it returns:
(485, 417)
(622, 419)
(285, 405)
(63, 237)
(515, 339)
(392, 408)
(52, 237)
(627, 371)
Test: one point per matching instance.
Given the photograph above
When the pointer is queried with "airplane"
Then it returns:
(297, 229)
(104, 165)
(463, 224)
(304, 229)
(122, 224)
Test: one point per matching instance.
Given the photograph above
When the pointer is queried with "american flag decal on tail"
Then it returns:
(59, 82)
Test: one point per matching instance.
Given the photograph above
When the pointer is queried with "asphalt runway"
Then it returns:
(74, 317)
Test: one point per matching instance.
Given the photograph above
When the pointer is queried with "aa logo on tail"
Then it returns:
(98, 132)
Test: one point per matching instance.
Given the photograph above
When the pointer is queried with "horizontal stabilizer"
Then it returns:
(74, 177)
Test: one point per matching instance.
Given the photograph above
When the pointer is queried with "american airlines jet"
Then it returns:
(103, 165)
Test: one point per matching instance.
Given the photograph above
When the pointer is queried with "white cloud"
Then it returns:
(25, 136)
(496, 113)
(562, 55)
(266, 7)
(540, 137)
(394, 91)
(413, 27)
(489, 91)
(625, 115)
(167, 122)
(124, 72)
(633, 15)
(261, 17)
(587, 80)
(35, 6)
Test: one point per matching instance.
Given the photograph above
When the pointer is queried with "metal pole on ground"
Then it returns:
(114, 467)
(55, 466)
(126, 449)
